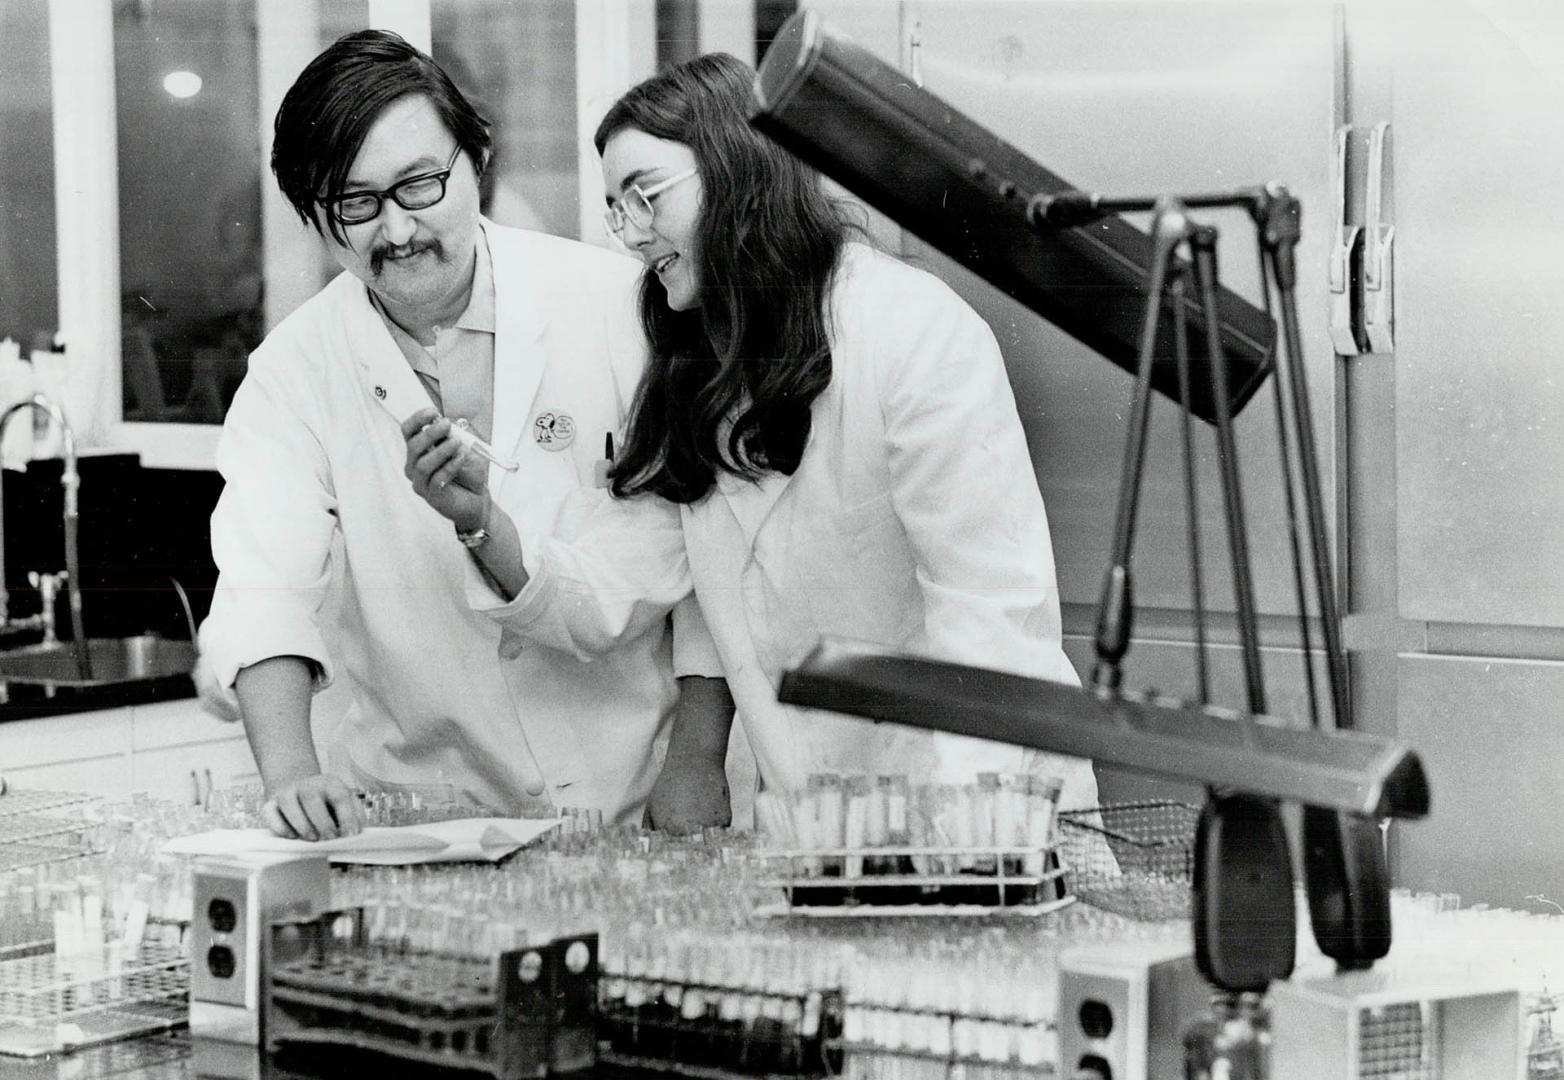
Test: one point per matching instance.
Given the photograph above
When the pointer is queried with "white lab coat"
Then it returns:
(313, 457)
(914, 521)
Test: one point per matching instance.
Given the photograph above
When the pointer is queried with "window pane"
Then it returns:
(678, 28)
(337, 17)
(769, 17)
(29, 310)
(190, 204)
(517, 63)
(678, 32)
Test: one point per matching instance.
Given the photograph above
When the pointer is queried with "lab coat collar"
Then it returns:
(518, 353)
(519, 324)
(388, 377)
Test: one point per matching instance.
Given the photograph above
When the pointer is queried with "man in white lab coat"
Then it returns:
(533, 341)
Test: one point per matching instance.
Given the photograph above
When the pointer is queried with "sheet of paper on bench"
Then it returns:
(463, 840)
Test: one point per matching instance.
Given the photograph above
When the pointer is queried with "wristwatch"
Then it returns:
(476, 538)
(473, 540)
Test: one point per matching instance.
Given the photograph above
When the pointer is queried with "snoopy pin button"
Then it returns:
(553, 431)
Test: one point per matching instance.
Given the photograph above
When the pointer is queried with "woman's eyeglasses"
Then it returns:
(635, 205)
(414, 193)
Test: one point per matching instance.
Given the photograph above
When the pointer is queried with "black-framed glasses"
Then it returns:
(635, 205)
(415, 193)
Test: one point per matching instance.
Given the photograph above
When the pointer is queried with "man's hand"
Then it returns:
(314, 808)
(443, 473)
(690, 793)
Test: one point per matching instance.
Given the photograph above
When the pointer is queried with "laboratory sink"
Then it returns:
(114, 660)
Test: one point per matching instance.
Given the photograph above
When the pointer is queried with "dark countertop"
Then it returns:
(31, 701)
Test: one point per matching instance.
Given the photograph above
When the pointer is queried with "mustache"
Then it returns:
(378, 257)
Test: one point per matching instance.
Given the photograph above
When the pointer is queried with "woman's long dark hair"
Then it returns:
(757, 342)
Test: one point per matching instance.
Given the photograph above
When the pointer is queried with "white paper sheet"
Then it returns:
(463, 840)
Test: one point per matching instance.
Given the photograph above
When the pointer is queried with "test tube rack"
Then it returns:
(901, 881)
(523, 1013)
(707, 1030)
(880, 1043)
(879, 1062)
(52, 1002)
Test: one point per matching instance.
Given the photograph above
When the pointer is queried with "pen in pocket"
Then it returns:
(600, 470)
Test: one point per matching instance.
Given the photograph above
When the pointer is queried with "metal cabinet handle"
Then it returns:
(1344, 331)
(1378, 269)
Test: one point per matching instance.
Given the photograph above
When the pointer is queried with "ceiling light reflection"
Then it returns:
(182, 84)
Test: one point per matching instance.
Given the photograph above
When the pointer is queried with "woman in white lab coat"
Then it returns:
(835, 432)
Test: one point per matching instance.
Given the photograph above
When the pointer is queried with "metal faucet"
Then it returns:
(70, 482)
(48, 586)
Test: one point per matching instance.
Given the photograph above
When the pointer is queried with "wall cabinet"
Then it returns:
(164, 749)
(1145, 99)
(1439, 459)
(86, 752)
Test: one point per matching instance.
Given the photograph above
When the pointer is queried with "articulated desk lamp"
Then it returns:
(1125, 294)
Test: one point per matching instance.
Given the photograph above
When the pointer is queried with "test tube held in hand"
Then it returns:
(463, 433)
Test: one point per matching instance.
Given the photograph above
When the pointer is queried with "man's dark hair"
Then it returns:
(331, 106)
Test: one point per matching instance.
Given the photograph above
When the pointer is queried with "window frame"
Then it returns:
(615, 47)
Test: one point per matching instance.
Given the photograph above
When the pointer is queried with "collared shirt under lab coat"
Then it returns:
(313, 457)
(914, 521)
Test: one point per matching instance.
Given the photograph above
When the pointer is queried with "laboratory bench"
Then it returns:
(177, 1056)
(724, 957)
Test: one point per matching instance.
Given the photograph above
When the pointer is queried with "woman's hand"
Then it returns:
(443, 473)
(690, 794)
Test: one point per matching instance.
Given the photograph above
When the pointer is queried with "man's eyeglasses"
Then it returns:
(635, 205)
(414, 193)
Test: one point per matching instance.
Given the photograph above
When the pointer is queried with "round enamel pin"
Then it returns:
(554, 431)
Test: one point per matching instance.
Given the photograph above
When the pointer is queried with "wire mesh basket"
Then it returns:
(1134, 859)
(26, 801)
(38, 827)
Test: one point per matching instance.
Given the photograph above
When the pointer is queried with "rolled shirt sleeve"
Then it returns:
(694, 650)
(611, 571)
(272, 532)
